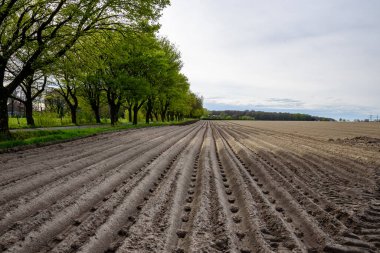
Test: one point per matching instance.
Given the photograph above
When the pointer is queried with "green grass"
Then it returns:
(30, 137)
(51, 120)
(43, 121)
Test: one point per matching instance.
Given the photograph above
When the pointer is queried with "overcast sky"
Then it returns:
(319, 57)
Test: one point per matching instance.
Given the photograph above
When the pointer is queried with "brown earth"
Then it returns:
(207, 187)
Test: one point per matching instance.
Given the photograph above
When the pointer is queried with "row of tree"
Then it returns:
(98, 51)
(259, 115)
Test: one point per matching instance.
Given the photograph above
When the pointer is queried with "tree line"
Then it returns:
(260, 115)
(94, 52)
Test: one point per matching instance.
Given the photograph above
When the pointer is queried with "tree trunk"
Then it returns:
(95, 108)
(97, 114)
(73, 111)
(135, 113)
(112, 113)
(12, 107)
(162, 116)
(4, 128)
(147, 118)
(113, 106)
(29, 112)
(130, 114)
(164, 111)
(156, 115)
(149, 109)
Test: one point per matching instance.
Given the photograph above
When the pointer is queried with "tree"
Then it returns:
(69, 78)
(54, 102)
(91, 91)
(173, 96)
(37, 33)
(68, 90)
(136, 65)
(196, 103)
(173, 84)
(83, 65)
(32, 87)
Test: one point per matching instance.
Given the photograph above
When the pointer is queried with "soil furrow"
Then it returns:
(35, 239)
(60, 188)
(42, 178)
(244, 206)
(213, 186)
(312, 234)
(206, 221)
(31, 156)
(78, 235)
(79, 152)
(106, 233)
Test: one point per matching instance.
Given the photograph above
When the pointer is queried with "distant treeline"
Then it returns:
(259, 115)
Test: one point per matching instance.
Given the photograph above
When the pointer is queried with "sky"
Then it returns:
(318, 57)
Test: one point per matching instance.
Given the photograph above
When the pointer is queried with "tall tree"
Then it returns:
(91, 90)
(37, 33)
(68, 90)
(32, 87)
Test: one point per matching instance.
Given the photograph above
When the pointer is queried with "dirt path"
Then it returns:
(205, 187)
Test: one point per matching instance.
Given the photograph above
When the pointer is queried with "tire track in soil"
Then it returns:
(363, 233)
(60, 221)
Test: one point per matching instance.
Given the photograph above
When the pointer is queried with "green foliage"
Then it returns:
(101, 58)
(36, 34)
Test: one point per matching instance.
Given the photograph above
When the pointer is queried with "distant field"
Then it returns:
(318, 129)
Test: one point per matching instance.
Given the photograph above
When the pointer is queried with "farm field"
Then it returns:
(319, 129)
(212, 186)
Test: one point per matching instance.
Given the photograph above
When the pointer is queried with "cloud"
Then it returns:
(285, 102)
(215, 98)
(280, 54)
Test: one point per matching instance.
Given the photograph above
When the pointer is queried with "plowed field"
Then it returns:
(206, 187)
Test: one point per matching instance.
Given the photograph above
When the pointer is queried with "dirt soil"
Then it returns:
(212, 186)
